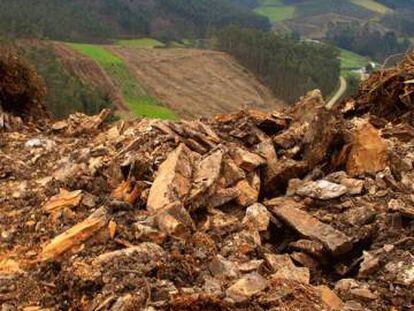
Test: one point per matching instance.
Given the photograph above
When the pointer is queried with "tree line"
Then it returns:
(288, 66)
(366, 40)
(102, 19)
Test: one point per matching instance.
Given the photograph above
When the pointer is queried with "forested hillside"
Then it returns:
(288, 66)
(106, 19)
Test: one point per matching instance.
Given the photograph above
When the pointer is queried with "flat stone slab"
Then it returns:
(287, 210)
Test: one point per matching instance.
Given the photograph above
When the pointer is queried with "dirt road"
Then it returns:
(341, 91)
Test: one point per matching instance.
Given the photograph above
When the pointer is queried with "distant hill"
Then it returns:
(95, 20)
(309, 18)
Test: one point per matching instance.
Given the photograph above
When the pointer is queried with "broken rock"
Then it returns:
(321, 189)
(369, 152)
(173, 181)
(257, 217)
(249, 285)
(286, 209)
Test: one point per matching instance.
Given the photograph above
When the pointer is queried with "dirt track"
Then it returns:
(196, 83)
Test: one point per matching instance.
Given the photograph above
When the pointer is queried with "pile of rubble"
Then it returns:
(305, 209)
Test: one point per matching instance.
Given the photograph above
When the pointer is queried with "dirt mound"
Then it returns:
(196, 83)
(387, 93)
(246, 211)
(21, 89)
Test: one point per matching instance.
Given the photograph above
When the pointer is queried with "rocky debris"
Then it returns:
(246, 287)
(321, 189)
(287, 210)
(247, 211)
(369, 152)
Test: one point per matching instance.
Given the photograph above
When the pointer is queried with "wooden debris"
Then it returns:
(64, 199)
(75, 235)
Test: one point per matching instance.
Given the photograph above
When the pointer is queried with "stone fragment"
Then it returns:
(221, 223)
(281, 172)
(249, 190)
(246, 241)
(277, 262)
(173, 180)
(247, 160)
(232, 173)
(369, 152)
(309, 247)
(304, 260)
(398, 205)
(360, 215)
(321, 190)
(335, 241)
(223, 269)
(369, 264)
(205, 179)
(257, 217)
(129, 191)
(330, 298)
(323, 129)
(175, 220)
(354, 186)
(250, 266)
(246, 287)
(363, 293)
(343, 286)
(298, 274)
(223, 196)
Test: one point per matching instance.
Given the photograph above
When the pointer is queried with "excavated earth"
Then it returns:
(302, 209)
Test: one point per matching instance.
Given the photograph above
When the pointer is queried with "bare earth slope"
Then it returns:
(196, 83)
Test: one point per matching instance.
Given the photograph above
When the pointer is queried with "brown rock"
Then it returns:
(223, 269)
(335, 241)
(323, 129)
(246, 287)
(205, 179)
(398, 205)
(330, 298)
(321, 189)
(309, 247)
(369, 152)
(173, 181)
(360, 215)
(231, 172)
(298, 274)
(249, 190)
(363, 294)
(369, 265)
(247, 160)
(281, 172)
(175, 220)
(304, 260)
(277, 262)
(257, 217)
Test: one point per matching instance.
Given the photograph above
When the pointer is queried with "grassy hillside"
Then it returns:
(134, 94)
(275, 10)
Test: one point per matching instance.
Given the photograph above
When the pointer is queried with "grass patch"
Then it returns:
(372, 5)
(141, 43)
(351, 60)
(98, 53)
(275, 10)
(134, 94)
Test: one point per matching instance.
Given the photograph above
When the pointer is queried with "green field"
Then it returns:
(142, 43)
(275, 10)
(350, 60)
(134, 94)
(372, 5)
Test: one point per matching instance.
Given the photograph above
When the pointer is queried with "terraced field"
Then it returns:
(275, 10)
